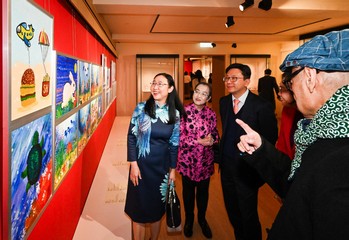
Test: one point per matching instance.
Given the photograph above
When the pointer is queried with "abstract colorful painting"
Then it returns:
(31, 59)
(31, 171)
(66, 82)
(96, 112)
(66, 147)
(83, 127)
(96, 80)
(84, 81)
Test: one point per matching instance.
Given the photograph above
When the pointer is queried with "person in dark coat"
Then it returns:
(240, 182)
(266, 87)
(315, 185)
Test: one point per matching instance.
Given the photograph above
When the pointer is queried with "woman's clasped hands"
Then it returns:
(206, 141)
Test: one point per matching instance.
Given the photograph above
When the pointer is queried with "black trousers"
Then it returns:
(190, 190)
(241, 200)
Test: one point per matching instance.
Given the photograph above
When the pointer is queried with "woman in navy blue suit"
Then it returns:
(240, 182)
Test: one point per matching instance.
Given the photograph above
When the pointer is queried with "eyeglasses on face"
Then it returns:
(283, 89)
(287, 81)
(231, 78)
(159, 84)
(204, 94)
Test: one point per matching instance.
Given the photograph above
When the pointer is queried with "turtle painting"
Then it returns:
(34, 161)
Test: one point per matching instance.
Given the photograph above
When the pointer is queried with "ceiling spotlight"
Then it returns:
(230, 21)
(213, 44)
(234, 45)
(265, 4)
(246, 4)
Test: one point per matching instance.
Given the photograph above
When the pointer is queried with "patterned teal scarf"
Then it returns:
(331, 121)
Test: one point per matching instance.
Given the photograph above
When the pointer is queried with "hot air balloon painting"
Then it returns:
(44, 44)
(31, 58)
(28, 95)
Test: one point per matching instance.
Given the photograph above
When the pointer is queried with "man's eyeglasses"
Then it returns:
(160, 84)
(233, 79)
(204, 94)
(287, 81)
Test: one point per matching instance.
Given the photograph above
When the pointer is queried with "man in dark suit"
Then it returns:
(240, 182)
(266, 87)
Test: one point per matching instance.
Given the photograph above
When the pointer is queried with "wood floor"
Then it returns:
(216, 216)
(103, 217)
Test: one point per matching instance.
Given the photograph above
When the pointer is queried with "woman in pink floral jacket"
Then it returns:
(198, 132)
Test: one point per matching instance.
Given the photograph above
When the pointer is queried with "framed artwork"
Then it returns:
(107, 98)
(100, 108)
(84, 81)
(66, 84)
(96, 80)
(104, 67)
(66, 150)
(101, 74)
(84, 119)
(108, 77)
(113, 89)
(31, 59)
(113, 71)
(31, 173)
(96, 113)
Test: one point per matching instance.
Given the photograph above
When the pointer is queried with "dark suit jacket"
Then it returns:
(316, 204)
(266, 87)
(257, 113)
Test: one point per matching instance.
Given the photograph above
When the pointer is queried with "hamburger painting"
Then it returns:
(27, 89)
(32, 59)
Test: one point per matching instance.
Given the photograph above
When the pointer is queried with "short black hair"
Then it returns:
(245, 70)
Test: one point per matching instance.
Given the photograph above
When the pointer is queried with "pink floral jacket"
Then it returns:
(195, 160)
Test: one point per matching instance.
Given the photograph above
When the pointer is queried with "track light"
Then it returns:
(230, 21)
(246, 4)
(265, 4)
(207, 45)
(234, 45)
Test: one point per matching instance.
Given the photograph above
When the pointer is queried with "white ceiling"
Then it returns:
(192, 21)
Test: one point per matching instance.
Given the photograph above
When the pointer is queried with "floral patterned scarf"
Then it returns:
(331, 121)
(142, 127)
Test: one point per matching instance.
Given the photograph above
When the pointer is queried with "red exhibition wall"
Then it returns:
(73, 37)
(63, 212)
